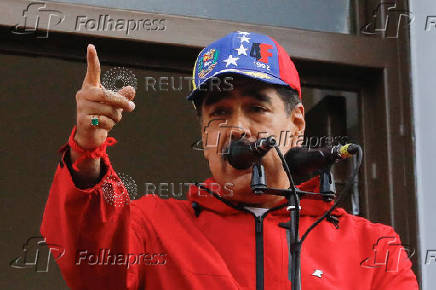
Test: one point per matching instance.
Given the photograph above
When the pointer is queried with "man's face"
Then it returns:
(250, 110)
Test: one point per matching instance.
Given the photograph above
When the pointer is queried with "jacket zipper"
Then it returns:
(259, 253)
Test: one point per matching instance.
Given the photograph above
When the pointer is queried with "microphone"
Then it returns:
(305, 161)
(241, 154)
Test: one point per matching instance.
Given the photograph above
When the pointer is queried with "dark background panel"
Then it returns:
(38, 111)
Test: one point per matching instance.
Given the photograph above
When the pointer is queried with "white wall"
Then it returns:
(423, 53)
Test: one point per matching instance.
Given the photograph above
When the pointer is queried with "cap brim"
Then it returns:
(261, 76)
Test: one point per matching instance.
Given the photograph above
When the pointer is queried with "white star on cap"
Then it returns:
(231, 60)
(317, 273)
(241, 50)
(243, 33)
(243, 38)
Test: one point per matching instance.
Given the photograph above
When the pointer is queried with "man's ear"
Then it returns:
(203, 139)
(206, 152)
(203, 133)
(297, 119)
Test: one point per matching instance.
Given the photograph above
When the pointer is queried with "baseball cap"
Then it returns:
(249, 54)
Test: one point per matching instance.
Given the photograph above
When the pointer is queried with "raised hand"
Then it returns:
(102, 105)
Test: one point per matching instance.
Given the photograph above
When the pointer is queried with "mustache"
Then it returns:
(198, 144)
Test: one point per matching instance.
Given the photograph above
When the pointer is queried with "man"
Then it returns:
(224, 237)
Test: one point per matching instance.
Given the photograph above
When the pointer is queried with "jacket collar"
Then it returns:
(220, 204)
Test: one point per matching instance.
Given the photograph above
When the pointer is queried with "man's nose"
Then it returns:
(239, 128)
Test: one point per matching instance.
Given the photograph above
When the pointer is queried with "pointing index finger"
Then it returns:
(92, 77)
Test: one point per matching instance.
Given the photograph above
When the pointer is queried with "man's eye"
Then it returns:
(258, 109)
(219, 112)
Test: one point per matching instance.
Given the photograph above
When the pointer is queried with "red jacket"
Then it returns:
(202, 243)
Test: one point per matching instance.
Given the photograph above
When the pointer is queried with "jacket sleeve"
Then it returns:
(396, 272)
(93, 229)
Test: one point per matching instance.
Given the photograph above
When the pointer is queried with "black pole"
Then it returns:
(259, 186)
(294, 241)
(327, 192)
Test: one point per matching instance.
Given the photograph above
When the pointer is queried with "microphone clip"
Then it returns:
(327, 186)
(259, 185)
(258, 179)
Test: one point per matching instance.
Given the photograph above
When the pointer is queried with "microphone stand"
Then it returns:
(327, 189)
